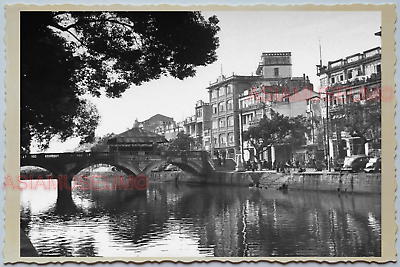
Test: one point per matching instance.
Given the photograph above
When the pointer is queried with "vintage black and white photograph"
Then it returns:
(201, 134)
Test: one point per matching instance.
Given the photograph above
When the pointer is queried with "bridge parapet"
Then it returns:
(197, 161)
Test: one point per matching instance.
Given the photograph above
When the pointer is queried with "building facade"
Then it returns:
(155, 122)
(291, 97)
(355, 75)
(237, 102)
(198, 126)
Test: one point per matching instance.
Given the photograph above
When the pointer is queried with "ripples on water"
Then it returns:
(222, 221)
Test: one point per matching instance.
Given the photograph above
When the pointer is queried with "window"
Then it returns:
(215, 140)
(221, 123)
(221, 107)
(276, 71)
(230, 121)
(214, 109)
(333, 80)
(215, 124)
(231, 138)
(199, 112)
(214, 93)
(221, 91)
(229, 89)
(229, 104)
(350, 75)
(247, 118)
(378, 68)
(341, 77)
(222, 140)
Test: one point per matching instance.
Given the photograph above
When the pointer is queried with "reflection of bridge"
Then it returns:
(64, 166)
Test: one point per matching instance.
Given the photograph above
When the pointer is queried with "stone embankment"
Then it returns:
(319, 181)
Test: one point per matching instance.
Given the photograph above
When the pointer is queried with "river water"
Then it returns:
(197, 220)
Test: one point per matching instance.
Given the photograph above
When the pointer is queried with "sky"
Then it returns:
(243, 37)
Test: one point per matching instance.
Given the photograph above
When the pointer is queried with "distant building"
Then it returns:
(136, 141)
(170, 131)
(156, 121)
(198, 126)
(354, 75)
(275, 65)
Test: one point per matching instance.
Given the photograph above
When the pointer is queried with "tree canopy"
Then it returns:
(181, 142)
(360, 119)
(278, 129)
(65, 55)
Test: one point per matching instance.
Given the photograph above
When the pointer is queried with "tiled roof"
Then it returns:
(137, 135)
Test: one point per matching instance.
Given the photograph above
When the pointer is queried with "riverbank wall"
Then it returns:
(218, 178)
(316, 181)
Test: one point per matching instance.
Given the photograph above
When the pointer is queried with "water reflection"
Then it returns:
(221, 221)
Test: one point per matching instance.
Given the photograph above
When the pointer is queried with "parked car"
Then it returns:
(373, 165)
(355, 163)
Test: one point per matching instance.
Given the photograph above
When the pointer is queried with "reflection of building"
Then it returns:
(237, 100)
(348, 79)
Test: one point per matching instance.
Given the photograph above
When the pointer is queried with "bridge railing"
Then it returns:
(68, 155)
(194, 155)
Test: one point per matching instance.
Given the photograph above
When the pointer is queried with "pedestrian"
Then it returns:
(264, 165)
(269, 165)
(314, 164)
(283, 167)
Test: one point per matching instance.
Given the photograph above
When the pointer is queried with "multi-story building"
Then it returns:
(156, 121)
(224, 94)
(357, 74)
(170, 131)
(291, 97)
(198, 126)
(230, 101)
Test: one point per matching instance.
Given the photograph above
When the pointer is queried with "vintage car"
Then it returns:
(373, 165)
(355, 163)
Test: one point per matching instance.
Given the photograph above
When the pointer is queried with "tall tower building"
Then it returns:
(275, 65)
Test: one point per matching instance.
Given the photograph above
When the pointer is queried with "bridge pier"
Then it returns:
(65, 204)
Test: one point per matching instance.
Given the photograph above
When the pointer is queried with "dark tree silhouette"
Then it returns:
(65, 55)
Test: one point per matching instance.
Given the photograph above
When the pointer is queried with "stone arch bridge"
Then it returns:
(195, 162)
(64, 166)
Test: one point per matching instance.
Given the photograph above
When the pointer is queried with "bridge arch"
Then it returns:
(47, 167)
(127, 169)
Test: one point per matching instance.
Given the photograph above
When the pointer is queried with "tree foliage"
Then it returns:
(65, 55)
(99, 144)
(181, 142)
(278, 129)
(360, 119)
